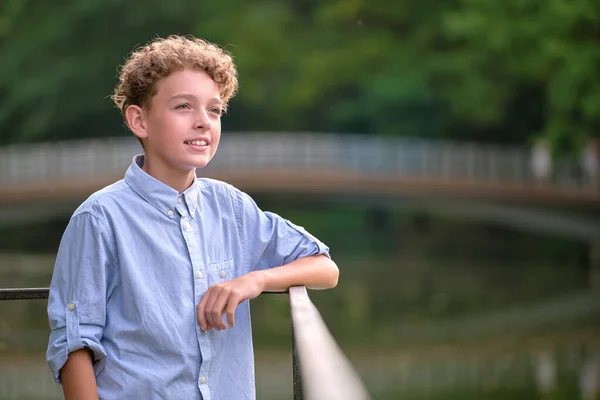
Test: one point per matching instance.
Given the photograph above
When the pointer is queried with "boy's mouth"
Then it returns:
(200, 142)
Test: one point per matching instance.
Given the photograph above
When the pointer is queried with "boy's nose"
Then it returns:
(203, 123)
(204, 126)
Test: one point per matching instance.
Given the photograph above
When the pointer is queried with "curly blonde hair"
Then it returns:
(159, 58)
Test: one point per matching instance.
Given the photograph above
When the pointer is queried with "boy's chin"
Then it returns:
(200, 164)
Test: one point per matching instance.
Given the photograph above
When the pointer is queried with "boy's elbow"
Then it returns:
(333, 274)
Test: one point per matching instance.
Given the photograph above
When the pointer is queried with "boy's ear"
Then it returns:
(134, 116)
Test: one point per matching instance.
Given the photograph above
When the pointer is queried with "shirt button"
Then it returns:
(199, 274)
(170, 213)
(179, 200)
(203, 379)
(71, 307)
(186, 225)
(223, 273)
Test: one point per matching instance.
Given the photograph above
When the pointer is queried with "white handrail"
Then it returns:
(326, 372)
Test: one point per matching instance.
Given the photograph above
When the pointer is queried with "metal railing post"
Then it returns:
(296, 376)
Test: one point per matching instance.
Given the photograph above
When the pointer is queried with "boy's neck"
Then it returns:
(176, 179)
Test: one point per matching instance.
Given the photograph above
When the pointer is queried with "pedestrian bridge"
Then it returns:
(325, 163)
(350, 166)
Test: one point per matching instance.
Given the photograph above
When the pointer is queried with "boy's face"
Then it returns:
(182, 126)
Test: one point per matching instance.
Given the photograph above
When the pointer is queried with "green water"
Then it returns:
(425, 309)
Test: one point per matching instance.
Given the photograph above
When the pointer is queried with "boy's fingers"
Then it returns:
(217, 309)
(204, 308)
(208, 325)
(201, 314)
(231, 306)
(216, 302)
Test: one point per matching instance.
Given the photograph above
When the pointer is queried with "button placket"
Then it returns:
(184, 222)
(200, 286)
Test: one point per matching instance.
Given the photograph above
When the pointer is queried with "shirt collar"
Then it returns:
(166, 199)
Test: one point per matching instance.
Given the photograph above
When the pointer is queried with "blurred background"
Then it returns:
(447, 152)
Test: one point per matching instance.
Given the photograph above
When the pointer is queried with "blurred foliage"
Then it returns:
(507, 71)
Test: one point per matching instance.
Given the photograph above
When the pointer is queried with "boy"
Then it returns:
(151, 267)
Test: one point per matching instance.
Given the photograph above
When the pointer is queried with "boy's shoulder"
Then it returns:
(218, 188)
(225, 193)
(97, 203)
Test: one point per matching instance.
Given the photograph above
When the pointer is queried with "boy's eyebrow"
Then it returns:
(187, 96)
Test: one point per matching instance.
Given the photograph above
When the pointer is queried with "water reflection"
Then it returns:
(419, 316)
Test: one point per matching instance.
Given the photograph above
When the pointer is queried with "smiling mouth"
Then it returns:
(197, 142)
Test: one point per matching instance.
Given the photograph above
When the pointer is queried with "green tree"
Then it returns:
(349, 66)
(549, 47)
(59, 62)
(467, 69)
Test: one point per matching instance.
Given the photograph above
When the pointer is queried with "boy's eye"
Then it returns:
(216, 110)
(184, 106)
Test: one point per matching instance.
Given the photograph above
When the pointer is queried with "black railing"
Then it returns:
(320, 370)
(24, 294)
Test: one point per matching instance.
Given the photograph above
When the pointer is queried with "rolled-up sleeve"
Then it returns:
(78, 292)
(269, 240)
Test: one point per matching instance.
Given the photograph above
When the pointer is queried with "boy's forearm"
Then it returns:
(77, 376)
(316, 272)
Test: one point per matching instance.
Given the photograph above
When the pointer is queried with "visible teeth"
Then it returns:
(198, 142)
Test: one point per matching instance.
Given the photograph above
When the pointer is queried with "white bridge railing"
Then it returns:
(377, 155)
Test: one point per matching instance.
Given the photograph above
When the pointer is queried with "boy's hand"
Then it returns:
(224, 298)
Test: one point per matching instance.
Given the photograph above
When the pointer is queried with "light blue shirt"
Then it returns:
(135, 260)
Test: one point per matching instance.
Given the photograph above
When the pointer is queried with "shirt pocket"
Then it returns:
(220, 271)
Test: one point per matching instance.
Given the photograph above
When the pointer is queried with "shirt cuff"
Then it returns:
(73, 337)
(320, 247)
